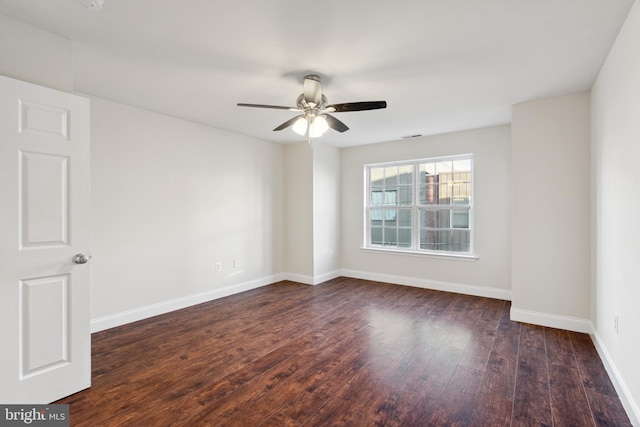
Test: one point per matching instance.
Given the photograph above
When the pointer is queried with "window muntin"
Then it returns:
(421, 205)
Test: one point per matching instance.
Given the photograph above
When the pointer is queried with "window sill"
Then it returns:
(449, 256)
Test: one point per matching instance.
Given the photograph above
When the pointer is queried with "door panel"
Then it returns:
(44, 120)
(44, 222)
(44, 200)
(45, 341)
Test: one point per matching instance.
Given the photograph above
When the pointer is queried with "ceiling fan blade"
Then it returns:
(335, 123)
(312, 90)
(288, 123)
(357, 106)
(277, 107)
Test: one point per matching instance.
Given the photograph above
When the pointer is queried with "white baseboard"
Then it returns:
(299, 278)
(458, 288)
(630, 406)
(326, 276)
(118, 319)
(311, 280)
(568, 323)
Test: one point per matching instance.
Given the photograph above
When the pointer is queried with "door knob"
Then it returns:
(80, 259)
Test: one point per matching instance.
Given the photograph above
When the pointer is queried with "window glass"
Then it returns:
(377, 175)
(404, 218)
(429, 210)
(391, 175)
(460, 219)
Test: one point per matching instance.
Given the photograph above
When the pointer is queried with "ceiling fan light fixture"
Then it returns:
(318, 127)
(316, 117)
(300, 126)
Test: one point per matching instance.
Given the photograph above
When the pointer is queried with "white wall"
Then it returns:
(35, 56)
(326, 211)
(615, 128)
(550, 220)
(489, 275)
(312, 183)
(299, 212)
(170, 198)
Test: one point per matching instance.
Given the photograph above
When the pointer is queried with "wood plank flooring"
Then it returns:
(347, 352)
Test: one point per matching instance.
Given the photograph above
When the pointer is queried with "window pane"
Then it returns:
(376, 198)
(406, 196)
(391, 197)
(390, 236)
(376, 217)
(459, 190)
(443, 240)
(404, 217)
(390, 217)
(376, 236)
(460, 219)
(431, 194)
(406, 174)
(404, 237)
(391, 175)
(460, 241)
(376, 175)
(435, 219)
(444, 194)
(444, 219)
(427, 239)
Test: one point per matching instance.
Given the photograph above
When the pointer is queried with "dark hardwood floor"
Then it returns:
(347, 352)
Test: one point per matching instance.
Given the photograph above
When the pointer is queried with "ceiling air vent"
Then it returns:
(94, 5)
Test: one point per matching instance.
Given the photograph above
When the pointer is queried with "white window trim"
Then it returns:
(414, 249)
(421, 253)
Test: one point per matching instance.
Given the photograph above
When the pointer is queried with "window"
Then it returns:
(420, 205)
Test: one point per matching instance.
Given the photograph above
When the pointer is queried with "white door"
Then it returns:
(45, 350)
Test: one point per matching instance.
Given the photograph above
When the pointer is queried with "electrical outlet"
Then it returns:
(616, 323)
(218, 266)
(236, 263)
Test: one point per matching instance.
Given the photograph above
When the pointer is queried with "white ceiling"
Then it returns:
(441, 65)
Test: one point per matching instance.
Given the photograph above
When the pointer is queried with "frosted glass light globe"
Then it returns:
(300, 126)
(318, 127)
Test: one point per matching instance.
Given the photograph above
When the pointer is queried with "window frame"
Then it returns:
(416, 209)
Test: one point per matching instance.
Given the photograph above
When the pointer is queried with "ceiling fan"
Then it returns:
(315, 118)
